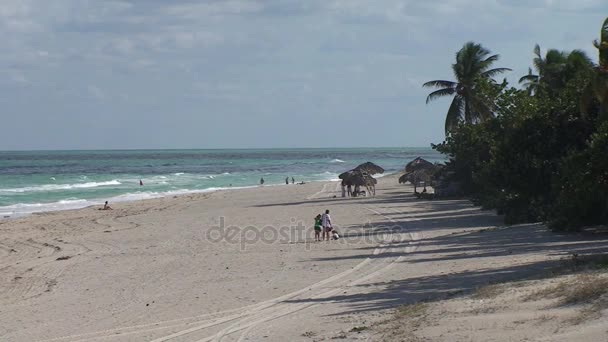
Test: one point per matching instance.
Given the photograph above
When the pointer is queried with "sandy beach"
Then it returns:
(242, 265)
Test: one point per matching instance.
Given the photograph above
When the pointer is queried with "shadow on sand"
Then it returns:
(470, 234)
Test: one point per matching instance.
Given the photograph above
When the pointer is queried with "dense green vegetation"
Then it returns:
(534, 154)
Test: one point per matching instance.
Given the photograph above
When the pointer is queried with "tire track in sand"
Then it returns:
(282, 309)
(249, 326)
(263, 311)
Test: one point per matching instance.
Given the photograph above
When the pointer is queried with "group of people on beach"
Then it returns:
(293, 181)
(347, 190)
(323, 226)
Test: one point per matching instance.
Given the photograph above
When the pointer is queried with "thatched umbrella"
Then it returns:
(370, 168)
(418, 170)
(418, 164)
(423, 175)
(346, 175)
(359, 178)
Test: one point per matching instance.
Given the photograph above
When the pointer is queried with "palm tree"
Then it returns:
(555, 69)
(473, 64)
(598, 87)
(531, 81)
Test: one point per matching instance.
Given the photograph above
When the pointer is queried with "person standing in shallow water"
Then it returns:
(293, 180)
(286, 180)
(262, 181)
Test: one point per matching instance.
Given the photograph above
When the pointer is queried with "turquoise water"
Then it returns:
(36, 181)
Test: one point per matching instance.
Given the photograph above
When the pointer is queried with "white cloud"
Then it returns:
(276, 58)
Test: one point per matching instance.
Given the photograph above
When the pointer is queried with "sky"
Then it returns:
(128, 74)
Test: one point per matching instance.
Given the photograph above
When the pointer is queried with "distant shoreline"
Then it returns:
(215, 149)
(63, 180)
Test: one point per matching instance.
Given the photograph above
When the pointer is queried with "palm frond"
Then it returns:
(580, 57)
(439, 93)
(492, 59)
(439, 84)
(529, 78)
(555, 56)
(494, 72)
(539, 65)
(537, 51)
(454, 116)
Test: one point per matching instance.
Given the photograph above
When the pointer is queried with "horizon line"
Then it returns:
(214, 149)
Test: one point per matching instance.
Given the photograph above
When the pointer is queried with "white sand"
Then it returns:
(147, 271)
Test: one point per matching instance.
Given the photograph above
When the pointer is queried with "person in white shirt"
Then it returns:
(326, 223)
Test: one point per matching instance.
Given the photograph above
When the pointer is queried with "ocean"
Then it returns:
(38, 181)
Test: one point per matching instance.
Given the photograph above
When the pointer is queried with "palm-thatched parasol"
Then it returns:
(363, 179)
(356, 177)
(418, 164)
(424, 175)
(418, 170)
(359, 178)
(370, 168)
(347, 175)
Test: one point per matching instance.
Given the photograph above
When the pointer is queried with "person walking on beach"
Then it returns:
(326, 223)
(349, 190)
(293, 180)
(343, 189)
(318, 227)
(262, 181)
(286, 180)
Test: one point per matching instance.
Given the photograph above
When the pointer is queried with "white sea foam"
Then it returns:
(178, 174)
(337, 161)
(56, 187)
(22, 209)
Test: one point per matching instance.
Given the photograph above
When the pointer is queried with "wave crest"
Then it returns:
(56, 187)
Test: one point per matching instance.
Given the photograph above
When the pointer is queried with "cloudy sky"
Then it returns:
(87, 74)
